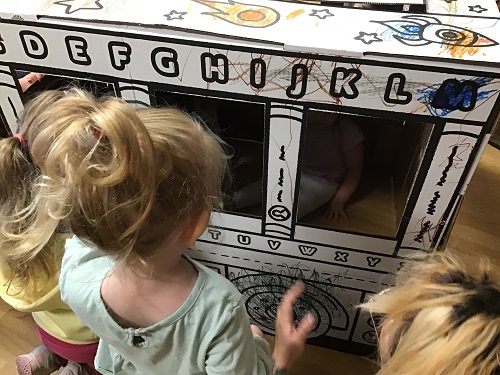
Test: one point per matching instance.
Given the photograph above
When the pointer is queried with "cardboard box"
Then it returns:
(422, 87)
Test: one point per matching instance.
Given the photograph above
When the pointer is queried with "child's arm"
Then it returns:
(290, 339)
(30, 79)
(354, 164)
(237, 350)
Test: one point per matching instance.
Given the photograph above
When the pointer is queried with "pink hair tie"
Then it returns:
(97, 133)
(21, 139)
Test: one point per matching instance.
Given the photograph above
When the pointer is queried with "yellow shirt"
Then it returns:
(49, 312)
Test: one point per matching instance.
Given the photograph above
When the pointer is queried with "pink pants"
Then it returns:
(79, 353)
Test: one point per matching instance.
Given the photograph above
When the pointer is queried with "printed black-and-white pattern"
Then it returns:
(10, 101)
(264, 255)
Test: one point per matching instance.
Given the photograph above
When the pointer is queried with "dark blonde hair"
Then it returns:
(444, 318)
(28, 250)
(123, 179)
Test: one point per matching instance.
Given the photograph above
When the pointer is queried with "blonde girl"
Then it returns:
(443, 318)
(137, 187)
(30, 263)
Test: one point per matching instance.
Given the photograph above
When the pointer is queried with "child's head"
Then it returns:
(443, 318)
(321, 119)
(126, 180)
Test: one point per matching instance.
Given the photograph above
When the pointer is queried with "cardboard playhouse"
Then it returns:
(422, 83)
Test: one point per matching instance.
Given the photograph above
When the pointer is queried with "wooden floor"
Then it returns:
(476, 231)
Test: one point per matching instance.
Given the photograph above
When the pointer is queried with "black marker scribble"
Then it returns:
(420, 236)
(282, 155)
(280, 195)
(280, 181)
(431, 208)
(451, 158)
(262, 292)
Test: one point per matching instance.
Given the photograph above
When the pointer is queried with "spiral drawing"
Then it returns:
(263, 291)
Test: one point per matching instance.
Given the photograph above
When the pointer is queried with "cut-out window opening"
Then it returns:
(391, 152)
(240, 127)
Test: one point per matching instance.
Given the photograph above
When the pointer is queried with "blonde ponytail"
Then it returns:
(121, 178)
(99, 167)
(20, 243)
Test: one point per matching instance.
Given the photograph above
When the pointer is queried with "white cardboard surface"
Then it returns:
(296, 57)
(477, 8)
(318, 28)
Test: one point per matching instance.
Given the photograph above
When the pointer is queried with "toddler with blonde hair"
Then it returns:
(31, 252)
(137, 187)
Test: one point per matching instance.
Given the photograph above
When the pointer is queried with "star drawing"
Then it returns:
(73, 6)
(368, 38)
(321, 14)
(477, 9)
(175, 15)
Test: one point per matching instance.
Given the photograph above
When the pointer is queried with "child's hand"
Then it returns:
(29, 79)
(290, 339)
(335, 209)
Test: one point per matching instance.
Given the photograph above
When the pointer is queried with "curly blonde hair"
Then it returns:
(114, 173)
(442, 318)
(27, 249)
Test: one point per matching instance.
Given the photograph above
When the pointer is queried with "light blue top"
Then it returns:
(209, 334)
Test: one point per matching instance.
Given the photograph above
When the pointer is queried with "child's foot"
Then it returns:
(39, 361)
(73, 368)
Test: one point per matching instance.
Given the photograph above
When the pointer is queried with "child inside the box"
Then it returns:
(137, 187)
(443, 317)
(331, 170)
(30, 262)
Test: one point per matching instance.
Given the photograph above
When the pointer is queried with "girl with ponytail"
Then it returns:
(31, 250)
(137, 188)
